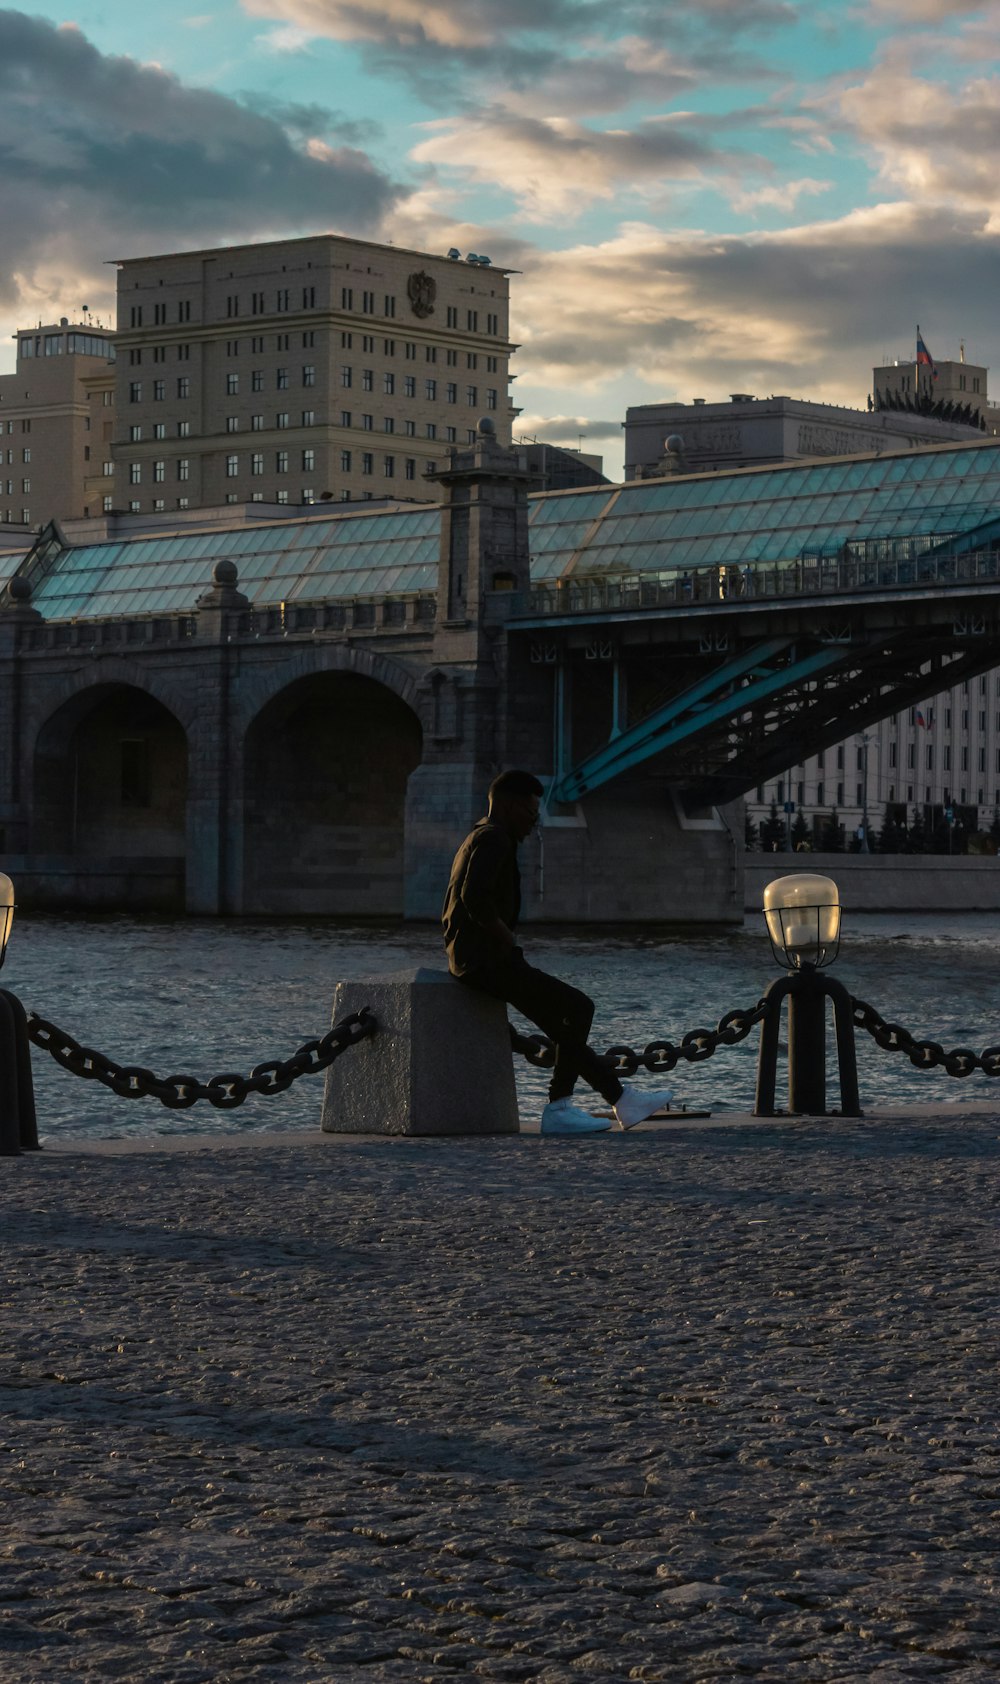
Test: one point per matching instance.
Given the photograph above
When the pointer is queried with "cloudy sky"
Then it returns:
(702, 196)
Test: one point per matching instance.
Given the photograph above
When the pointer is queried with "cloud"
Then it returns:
(781, 196)
(935, 143)
(555, 167)
(521, 44)
(806, 311)
(104, 157)
(576, 431)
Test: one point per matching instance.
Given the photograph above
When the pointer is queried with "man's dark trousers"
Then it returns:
(562, 1012)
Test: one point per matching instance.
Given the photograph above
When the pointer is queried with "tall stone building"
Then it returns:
(57, 421)
(300, 370)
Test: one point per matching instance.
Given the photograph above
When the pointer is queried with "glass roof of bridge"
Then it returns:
(764, 515)
(308, 560)
(757, 516)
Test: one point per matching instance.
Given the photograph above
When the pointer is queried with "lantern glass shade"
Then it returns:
(802, 914)
(6, 912)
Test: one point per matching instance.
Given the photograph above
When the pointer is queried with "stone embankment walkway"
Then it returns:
(694, 1404)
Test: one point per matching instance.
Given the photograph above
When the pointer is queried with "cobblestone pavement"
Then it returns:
(694, 1405)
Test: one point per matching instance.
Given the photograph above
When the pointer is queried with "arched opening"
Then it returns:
(110, 800)
(327, 764)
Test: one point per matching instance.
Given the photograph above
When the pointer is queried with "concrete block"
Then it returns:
(441, 1062)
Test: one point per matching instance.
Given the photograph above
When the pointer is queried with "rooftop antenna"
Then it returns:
(961, 350)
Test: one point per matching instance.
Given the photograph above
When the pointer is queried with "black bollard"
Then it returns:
(18, 1124)
(807, 993)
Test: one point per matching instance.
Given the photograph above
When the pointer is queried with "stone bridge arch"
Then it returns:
(329, 745)
(108, 785)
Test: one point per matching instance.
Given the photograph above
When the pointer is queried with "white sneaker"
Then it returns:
(561, 1116)
(635, 1105)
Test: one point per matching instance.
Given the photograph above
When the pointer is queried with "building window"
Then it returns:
(135, 391)
(256, 423)
(452, 316)
(367, 380)
(135, 473)
(256, 496)
(257, 344)
(308, 298)
(388, 384)
(232, 497)
(282, 341)
(184, 385)
(308, 494)
(430, 354)
(345, 418)
(345, 377)
(135, 434)
(389, 466)
(26, 487)
(450, 435)
(282, 418)
(368, 303)
(389, 424)
(367, 422)
(232, 385)
(159, 429)
(107, 469)
(282, 298)
(430, 389)
(308, 461)
(133, 508)
(451, 392)
(472, 395)
(346, 341)
(281, 461)
(135, 357)
(256, 380)
(107, 503)
(281, 497)
(346, 298)
(232, 423)
(159, 390)
(491, 365)
(308, 418)
(232, 305)
(390, 305)
(409, 386)
(491, 397)
(183, 353)
(367, 462)
(309, 374)
(431, 430)
(159, 472)
(389, 347)
(410, 429)
(136, 315)
(257, 304)
(183, 502)
(232, 466)
(345, 468)
(232, 347)
(257, 462)
(411, 467)
(492, 324)
(472, 320)
(183, 468)
(183, 429)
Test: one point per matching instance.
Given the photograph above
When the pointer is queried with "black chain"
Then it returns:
(925, 1055)
(657, 1056)
(132, 1081)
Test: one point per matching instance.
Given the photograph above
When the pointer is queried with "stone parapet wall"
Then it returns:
(888, 882)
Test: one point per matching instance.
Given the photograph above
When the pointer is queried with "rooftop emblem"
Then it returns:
(422, 290)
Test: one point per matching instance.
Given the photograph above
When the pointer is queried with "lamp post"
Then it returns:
(802, 915)
(18, 1128)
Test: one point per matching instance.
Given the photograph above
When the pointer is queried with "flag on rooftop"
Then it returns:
(924, 358)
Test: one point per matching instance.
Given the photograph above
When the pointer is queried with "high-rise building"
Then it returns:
(301, 370)
(57, 424)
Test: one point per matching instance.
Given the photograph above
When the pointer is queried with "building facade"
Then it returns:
(302, 370)
(750, 432)
(57, 421)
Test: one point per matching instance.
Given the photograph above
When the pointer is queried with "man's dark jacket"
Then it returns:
(485, 884)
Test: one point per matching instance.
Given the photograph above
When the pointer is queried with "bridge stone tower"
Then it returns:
(483, 558)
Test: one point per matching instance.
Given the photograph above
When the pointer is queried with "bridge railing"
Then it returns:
(800, 576)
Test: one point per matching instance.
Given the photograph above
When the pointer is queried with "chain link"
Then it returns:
(658, 1056)
(225, 1092)
(924, 1055)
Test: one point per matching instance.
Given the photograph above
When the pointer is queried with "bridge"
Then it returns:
(299, 713)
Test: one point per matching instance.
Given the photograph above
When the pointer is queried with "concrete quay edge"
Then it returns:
(258, 1140)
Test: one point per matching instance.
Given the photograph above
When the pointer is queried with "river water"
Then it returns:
(212, 996)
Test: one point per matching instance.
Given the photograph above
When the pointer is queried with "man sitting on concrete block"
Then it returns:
(480, 916)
